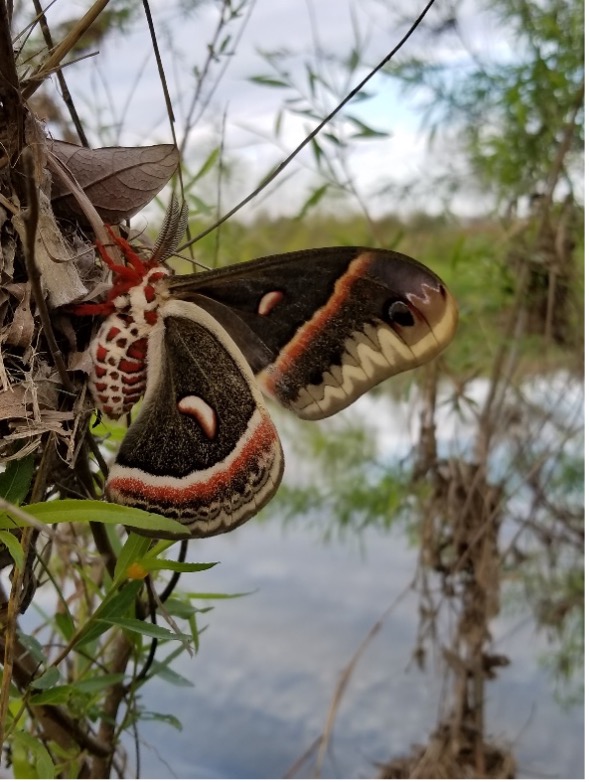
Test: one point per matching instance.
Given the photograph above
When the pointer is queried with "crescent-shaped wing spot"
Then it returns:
(269, 301)
(202, 413)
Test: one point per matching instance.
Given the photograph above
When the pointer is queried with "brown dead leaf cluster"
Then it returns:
(76, 191)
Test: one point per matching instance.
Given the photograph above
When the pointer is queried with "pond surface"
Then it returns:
(269, 662)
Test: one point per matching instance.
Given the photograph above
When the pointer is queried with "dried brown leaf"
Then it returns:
(119, 181)
(21, 329)
(12, 403)
(27, 411)
(54, 258)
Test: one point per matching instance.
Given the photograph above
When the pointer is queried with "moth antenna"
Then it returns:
(174, 225)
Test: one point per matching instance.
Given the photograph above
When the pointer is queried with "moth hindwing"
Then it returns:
(203, 448)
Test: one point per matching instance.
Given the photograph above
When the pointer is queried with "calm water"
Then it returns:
(269, 662)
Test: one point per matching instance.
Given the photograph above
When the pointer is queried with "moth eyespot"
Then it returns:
(203, 414)
(398, 313)
(269, 301)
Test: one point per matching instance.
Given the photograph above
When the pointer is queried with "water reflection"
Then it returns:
(269, 663)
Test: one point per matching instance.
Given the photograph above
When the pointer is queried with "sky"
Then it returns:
(119, 95)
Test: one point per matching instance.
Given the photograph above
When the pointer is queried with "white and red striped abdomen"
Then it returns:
(119, 349)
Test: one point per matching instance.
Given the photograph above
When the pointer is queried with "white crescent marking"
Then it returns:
(202, 412)
(269, 301)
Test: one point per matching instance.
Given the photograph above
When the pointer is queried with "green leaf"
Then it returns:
(42, 762)
(180, 608)
(47, 679)
(317, 151)
(268, 81)
(278, 123)
(217, 595)
(53, 696)
(154, 563)
(207, 165)
(65, 625)
(56, 511)
(169, 719)
(135, 548)
(63, 693)
(145, 628)
(313, 200)
(170, 676)
(16, 479)
(33, 647)
(115, 605)
(365, 131)
(14, 547)
(353, 60)
(95, 684)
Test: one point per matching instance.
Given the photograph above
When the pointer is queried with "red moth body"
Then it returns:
(119, 349)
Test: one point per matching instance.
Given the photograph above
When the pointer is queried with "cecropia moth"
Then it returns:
(312, 330)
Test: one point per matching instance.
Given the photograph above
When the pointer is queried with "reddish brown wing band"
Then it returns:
(203, 448)
(320, 327)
